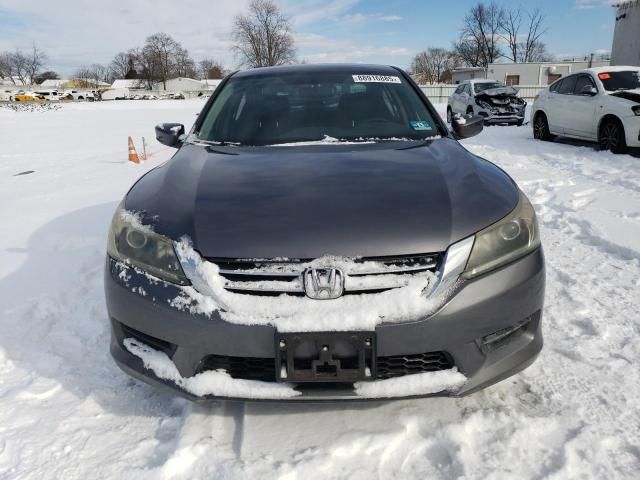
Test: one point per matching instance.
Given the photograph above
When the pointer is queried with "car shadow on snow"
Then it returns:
(634, 152)
(53, 317)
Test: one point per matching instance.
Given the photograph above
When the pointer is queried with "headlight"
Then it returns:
(505, 241)
(138, 245)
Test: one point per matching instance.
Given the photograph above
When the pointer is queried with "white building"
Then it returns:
(180, 84)
(461, 74)
(626, 37)
(211, 83)
(128, 83)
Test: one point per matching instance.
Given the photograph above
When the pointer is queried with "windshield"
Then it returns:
(481, 87)
(313, 106)
(627, 80)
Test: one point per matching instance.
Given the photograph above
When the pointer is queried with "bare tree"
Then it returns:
(532, 47)
(20, 66)
(480, 36)
(123, 64)
(6, 66)
(524, 47)
(35, 60)
(263, 36)
(431, 65)
(184, 66)
(211, 69)
(48, 75)
(159, 52)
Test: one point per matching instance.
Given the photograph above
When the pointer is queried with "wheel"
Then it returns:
(449, 115)
(541, 128)
(612, 137)
(469, 110)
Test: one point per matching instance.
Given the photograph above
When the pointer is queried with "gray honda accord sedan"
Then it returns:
(320, 234)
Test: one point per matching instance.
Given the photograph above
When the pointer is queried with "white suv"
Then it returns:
(598, 104)
(490, 99)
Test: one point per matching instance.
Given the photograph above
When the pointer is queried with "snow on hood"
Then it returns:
(219, 383)
(207, 295)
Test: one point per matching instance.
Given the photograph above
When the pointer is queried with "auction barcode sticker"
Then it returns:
(376, 79)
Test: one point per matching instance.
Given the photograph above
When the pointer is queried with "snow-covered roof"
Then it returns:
(211, 82)
(53, 83)
(127, 83)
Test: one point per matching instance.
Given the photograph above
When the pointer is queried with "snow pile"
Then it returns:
(216, 383)
(296, 314)
(417, 384)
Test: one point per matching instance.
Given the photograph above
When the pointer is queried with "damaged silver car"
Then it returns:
(494, 101)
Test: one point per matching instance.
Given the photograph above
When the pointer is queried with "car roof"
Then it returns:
(619, 68)
(482, 80)
(355, 68)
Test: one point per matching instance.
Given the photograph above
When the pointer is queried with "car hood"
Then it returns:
(633, 95)
(306, 202)
(495, 92)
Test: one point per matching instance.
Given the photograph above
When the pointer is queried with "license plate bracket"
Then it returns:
(325, 357)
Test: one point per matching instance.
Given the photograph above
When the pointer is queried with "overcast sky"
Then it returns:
(76, 32)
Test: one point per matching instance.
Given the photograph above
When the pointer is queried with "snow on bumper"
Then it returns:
(220, 384)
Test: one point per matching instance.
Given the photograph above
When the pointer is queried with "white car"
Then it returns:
(490, 99)
(598, 104)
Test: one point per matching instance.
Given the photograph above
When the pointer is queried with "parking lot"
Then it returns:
(66, 411)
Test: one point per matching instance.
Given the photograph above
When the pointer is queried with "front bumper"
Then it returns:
(496, 118)
(488, 304)
(632, 131)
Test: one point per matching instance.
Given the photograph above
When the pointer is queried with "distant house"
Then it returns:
(211, 83)
(181, 84)
(128, 83)
(83, 83)
(538, 73)
(51, 83)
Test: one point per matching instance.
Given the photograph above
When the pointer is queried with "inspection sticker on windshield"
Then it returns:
(376, 79)
(424, 125)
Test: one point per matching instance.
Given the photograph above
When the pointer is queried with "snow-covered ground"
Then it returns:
(66, 411)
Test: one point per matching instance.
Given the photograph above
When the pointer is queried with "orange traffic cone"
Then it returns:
(133, 155)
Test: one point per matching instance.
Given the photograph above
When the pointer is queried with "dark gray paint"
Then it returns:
(304, 202)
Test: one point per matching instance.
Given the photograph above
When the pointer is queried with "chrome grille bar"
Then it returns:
(275, 277)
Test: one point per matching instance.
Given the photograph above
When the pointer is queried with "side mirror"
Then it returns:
(170, 134)
(589, 90)
(465, 126)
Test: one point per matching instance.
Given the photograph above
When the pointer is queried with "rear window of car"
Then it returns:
(625, 80)
(481, 87)
(298, 107)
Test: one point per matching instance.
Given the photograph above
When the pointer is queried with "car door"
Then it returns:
(550, 105)
(582, 121)
(456, 99)
(563, 105)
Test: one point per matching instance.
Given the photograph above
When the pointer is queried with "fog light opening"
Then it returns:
(504, 333)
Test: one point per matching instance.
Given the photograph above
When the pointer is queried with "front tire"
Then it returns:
(449, 115)
(541, 128)
(612, 137)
